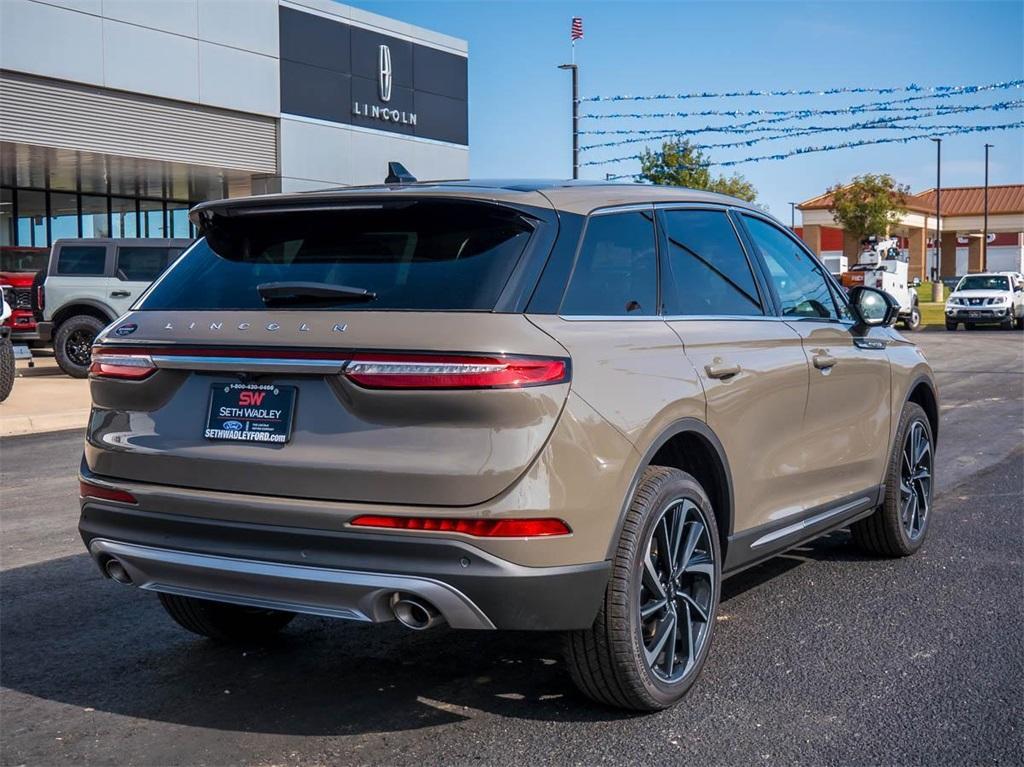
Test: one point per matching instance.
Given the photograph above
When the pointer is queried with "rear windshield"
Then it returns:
(983, 282)
(413, 255)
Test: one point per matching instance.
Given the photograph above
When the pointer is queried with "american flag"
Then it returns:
(576, 32)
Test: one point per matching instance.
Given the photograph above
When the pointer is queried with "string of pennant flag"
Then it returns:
(887, 123)
(891, 123)
(950, 90)
(841, 110)
(900, 115)
(958, 130)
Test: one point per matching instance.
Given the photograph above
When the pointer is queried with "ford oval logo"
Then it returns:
(233, 426)
(126, 330)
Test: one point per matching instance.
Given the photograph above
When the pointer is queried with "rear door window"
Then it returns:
(423, 255)
(708, 271)
(616, 272)
(141, 263)
(82, 260)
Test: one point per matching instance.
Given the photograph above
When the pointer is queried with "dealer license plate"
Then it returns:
(250, 413)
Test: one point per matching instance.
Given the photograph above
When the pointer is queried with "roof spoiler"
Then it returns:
(397, 174)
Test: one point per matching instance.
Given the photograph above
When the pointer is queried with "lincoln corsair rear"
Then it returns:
(548, 406)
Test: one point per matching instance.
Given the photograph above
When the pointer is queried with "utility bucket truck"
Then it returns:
(884, 266)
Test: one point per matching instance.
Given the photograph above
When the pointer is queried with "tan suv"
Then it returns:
(503, 405)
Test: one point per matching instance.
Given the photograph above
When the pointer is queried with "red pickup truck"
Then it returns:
(18, 269)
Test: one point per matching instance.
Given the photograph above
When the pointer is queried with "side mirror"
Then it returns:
(874, 308)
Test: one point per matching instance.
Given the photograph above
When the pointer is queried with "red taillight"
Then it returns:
(422, 371)
(481, 528)
(123, 365)
(40, 297)
(89, 490)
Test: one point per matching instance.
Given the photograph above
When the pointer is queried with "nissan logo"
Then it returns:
(385, 73)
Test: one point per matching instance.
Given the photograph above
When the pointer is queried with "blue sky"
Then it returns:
(519, 100)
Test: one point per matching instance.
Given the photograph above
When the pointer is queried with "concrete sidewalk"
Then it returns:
(44, 399)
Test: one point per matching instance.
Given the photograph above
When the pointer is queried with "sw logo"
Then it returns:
(251, 398)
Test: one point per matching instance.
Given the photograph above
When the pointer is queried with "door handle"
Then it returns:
(824, 361)
(120, 293)
(721, 370)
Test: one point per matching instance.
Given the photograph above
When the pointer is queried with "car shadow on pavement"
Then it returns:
(69, 635)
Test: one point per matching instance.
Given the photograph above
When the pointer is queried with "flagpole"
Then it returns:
(572, 67)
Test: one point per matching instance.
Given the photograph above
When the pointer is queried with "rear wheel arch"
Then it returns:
(691, 446)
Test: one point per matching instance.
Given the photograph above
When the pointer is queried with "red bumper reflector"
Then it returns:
(480, 528)
(89, 490)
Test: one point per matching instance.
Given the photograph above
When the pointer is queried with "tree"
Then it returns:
(680, 163)
(869, 204)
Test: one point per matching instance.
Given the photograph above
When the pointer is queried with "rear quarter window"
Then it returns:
(82, 260)
(417, 255)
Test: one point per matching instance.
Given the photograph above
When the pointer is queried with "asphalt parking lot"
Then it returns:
(823, 656)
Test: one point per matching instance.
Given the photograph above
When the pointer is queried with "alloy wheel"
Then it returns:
(79, 347)
(677, 591)
(915, 480)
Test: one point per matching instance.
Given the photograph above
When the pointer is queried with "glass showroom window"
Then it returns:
(152, 218)
(32, 218)
(95, 221)
(177, 219)
(124, 217)
(6, 216)
(63, 216)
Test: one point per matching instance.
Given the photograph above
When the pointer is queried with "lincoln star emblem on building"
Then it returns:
(385, 73)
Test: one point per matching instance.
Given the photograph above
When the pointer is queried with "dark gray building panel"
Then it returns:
(441, 73)
(313, 91)
(313, 40)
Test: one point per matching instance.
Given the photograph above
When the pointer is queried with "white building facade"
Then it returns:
(117, 115)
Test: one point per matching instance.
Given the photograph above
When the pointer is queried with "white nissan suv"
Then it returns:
(986, 299)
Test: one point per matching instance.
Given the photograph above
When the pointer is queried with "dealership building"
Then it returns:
(961, 226)
(117, 115)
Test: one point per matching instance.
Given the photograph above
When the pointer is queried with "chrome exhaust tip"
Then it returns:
(414, 613)
(116, 571)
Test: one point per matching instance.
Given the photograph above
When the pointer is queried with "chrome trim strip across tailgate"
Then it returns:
(248, 364)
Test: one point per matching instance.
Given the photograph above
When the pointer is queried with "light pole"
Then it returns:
(938, 210)
(575, 117)
(984, 229)
(792, 216)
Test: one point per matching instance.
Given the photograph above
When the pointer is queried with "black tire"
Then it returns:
(6, 367)
(950, 325)
(224, 622)
(913, 322)
(609, 661)
(1008, 323)
(891, 531)
(71, 342)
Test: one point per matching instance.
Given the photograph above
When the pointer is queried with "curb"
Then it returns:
(15, 425)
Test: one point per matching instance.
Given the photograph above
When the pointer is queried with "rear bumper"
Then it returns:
(338, 573)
